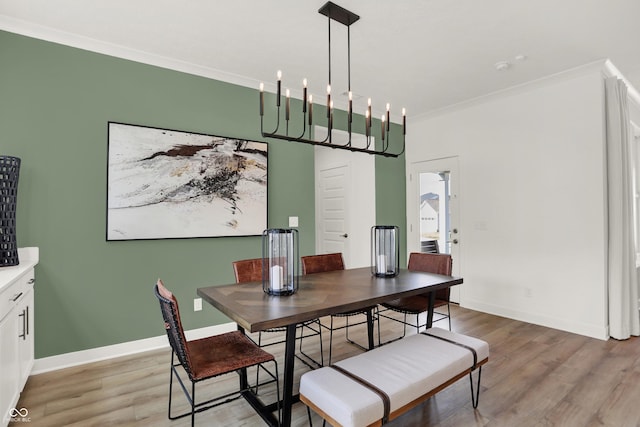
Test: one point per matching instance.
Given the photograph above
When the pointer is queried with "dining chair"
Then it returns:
(207, 358)
(418, 304)
(331, 262)
(250, 270)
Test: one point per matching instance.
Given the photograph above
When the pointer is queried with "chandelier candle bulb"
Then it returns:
(328, 101)
(287, 104)
(261, 99)
(279, 88)
(330, 117)
(369, 112)
(350, 111)
(404, 121)
(304, 95)
(388, 116)
(367, 124)
(382, 119)
(310, 110)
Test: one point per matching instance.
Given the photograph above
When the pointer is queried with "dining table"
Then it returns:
(318, 295)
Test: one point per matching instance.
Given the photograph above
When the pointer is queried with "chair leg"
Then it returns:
(193, 404)
(170, 386)
(319, 333)
(258, 367)
(351, 341)
(404, 322)
(404, 326)
(449, 314)
(330, 340)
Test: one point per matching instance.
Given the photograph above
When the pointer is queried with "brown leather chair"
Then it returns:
(209, 357)
(331, 262)
(250, 270)
(415, 305)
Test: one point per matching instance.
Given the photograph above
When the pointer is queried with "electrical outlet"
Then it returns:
(528, 293)
(293, 221)
(197, 304)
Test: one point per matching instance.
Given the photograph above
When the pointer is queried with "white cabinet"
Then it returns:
(9, 365)
(16, 329)
(25, 336)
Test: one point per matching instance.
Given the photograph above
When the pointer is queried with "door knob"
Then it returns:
(455, 241)
(345, 235)
(455, 231)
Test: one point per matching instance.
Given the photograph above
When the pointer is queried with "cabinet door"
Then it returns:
(9, 374)
(25, 336)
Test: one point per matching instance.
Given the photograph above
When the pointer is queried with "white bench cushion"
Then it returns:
(404, 370)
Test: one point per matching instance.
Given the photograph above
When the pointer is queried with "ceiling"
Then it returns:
(420, 54)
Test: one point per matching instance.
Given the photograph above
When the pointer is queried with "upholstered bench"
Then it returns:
(377, 386)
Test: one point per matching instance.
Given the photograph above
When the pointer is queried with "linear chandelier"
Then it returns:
(345, 17)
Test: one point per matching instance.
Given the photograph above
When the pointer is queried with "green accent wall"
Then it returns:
(55, 103)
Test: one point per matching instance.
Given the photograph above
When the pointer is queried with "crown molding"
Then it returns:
(610, 70)
(49, 34)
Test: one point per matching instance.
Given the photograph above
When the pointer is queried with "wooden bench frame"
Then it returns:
(475, 395)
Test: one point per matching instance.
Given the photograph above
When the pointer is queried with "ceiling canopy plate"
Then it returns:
(338, 13)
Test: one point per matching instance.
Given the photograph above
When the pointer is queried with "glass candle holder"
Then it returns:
(280, 265)
(385, 251)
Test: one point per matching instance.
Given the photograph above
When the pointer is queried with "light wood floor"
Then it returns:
(535, 377)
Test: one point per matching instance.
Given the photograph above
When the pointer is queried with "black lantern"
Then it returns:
(9, 172)
(280, 266)
(385, 251)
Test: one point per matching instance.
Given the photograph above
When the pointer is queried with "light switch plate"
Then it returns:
(293, 221)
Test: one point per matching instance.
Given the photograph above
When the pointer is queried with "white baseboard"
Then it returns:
(67, 360)
(589, 330)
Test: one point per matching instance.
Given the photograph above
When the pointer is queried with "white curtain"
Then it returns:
(624, 318)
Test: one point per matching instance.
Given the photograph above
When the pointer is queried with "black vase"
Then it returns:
(9, 172)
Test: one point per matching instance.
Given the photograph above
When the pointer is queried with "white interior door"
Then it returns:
(433, 198)
(334, 210)
(345, 201)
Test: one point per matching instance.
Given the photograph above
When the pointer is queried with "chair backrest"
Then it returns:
(248, 270)
(429, 247)
(319, 263)
(433, 263)
(173, 325)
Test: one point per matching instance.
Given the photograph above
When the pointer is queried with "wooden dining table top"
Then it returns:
(318, 295)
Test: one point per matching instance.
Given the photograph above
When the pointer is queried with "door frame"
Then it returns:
(450, 164)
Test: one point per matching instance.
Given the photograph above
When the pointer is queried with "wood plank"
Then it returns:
(319, 295)
(535, 377)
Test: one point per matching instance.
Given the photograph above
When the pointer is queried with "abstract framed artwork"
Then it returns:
(164, 184)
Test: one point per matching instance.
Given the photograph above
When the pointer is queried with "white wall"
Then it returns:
(532, 212)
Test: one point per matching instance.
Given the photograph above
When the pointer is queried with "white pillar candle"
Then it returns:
(382, 264)
(276, 277)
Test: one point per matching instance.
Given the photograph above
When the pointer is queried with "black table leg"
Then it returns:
(244, 382)
(432, 302)
(370, 328)
(287, 389)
